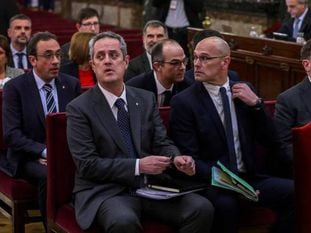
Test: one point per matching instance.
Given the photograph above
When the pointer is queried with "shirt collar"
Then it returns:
(160, 88)
(111, 98)
(14, 51)
(213, 90)
(40, 83)
(301, 17)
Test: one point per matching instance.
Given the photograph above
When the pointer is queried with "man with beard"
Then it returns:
(167, 77)
(27, 99)
(153, 31)
(19, 33)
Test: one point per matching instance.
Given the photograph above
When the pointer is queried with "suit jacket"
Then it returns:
(287, 27)
(189, 76)
(293, 108)
(24, 119)
(197, 130)
(72, 68)
(137, 66)
(95, 141)
(193, 10)
(147, 81)
(65, 56)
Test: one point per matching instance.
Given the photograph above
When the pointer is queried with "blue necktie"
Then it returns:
(296, 28)
(228, 129)
(123, 122)
(50, 102)
(20, 60)
(167, 98)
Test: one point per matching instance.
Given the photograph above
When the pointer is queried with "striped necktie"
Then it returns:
(50, 102)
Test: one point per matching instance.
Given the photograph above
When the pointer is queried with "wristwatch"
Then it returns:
(259, 103)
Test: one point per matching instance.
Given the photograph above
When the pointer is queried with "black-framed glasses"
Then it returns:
(177, 63)
(50, 55)
(205, 58)
(95, 24)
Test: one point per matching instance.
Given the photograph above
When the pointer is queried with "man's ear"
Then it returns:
(156, 66)
(33, 60)
(78, 25)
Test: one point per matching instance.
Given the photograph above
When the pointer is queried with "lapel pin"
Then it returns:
(136, 104)
(63, 87)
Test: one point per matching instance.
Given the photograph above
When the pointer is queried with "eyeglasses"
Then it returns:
(95, 24)
(177, 63)
(50, 55)
(205, 59)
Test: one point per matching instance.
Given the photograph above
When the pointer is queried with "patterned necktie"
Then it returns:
(167, 98)
(228, 128)
(296, 28)
(50, 102)
(20, 60)
(123, 122)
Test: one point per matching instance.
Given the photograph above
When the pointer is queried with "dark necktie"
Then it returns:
(50, 102)
(123, 122)
(296, 28)
(20, 60)
(228, 128)
(167, 98)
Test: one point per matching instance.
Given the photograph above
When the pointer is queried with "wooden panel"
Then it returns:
(272, 66)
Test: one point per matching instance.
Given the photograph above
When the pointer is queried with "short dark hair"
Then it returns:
(20, 17)
(157, 50)
(4, 44)
(86, 13)
(305, 52)
(200, 35)
(34, 40)
(155, 24)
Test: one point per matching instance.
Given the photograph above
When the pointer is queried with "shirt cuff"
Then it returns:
(44, 153)
(137, 173)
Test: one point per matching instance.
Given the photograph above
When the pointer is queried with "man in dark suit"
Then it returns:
(116, 138)
(153, 31)
(26, 101)
(167, 78)
(19, 33)
(200, 128)
(293, 108)
(300, 20)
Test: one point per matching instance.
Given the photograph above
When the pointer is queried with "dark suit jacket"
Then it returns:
(137, 66)
(287, 27)
(197, 130)
(193, 10)
(293, 108)
(95, 141)
(65, 56)
(146, 81)
(72, 68)
(189, 76)
(24, 119)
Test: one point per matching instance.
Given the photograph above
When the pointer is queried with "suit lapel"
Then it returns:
(134, 107)
(104, 114)
(145, 62)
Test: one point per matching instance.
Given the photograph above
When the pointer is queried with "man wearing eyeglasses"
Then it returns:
(292, 109)
(27, 100)
(88, 21)
(217, 119)
(167, 77)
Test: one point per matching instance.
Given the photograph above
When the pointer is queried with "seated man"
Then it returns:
(300, 20)
(116, 137)
(211, 127)
(153, 31)
(167, 78)
(27, 99)
(293, 109)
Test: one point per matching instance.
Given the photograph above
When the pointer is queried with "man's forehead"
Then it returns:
(20, 21)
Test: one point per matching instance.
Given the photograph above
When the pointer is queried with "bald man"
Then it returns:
(201, 129)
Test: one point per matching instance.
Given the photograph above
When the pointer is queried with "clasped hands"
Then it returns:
(156, 164)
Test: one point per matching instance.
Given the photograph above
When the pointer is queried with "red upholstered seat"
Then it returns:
(302, 176)
(60, 181)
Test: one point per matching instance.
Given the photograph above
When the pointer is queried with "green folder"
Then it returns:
(222, 177)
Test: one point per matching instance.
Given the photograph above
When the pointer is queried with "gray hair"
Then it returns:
(155, 24)
(108, 34)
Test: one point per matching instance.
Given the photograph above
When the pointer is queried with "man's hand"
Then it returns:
(154, 164)
(43, 161)
(185, 163)
(244, 93)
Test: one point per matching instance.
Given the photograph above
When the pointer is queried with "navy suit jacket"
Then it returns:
(197, 130)
(137, 66)
(24, 119)
(146, 81)
(189, 76)
(287, 27)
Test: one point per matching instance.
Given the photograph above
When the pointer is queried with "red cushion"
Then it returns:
(16, 189)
